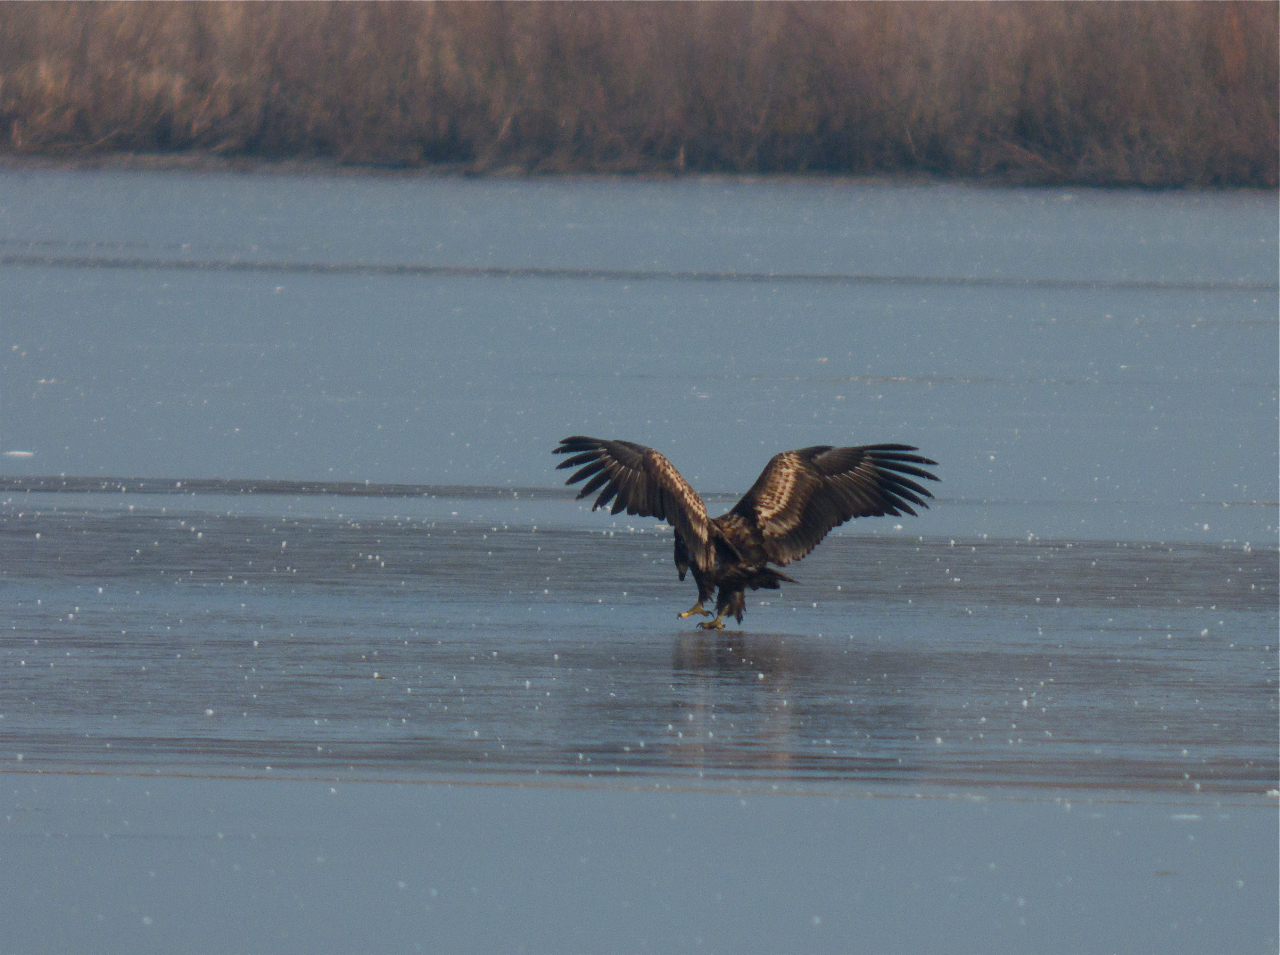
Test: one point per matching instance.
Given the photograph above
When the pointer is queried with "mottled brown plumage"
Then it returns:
(798, 498)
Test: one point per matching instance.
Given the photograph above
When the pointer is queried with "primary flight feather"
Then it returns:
(798, 498)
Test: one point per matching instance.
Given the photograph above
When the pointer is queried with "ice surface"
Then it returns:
(157, 864)
(421, 640)
(1041, 716)
(1095, 364)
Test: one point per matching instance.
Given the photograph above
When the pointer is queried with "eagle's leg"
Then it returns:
(705, 588)
(729, 603)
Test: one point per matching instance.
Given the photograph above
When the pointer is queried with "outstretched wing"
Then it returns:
(640, 481)
(802, 494)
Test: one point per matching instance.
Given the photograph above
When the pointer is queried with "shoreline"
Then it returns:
(1039, 93)
(202, 162)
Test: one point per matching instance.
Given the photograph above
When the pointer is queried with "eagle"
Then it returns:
(798, 498)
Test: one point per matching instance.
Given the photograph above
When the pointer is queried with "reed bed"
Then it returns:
(1149, 94)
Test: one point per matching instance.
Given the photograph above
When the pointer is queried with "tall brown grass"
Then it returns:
(1114, 93)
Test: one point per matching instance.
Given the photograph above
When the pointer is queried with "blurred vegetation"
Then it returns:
(1108, 93)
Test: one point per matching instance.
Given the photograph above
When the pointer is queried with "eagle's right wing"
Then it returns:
(801, 495)
(640, 481)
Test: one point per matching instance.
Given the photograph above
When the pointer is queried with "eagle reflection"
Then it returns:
(731, 656)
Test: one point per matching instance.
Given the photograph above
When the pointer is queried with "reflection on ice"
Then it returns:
(404, 646)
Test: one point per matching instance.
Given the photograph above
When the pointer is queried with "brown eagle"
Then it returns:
(797, 499)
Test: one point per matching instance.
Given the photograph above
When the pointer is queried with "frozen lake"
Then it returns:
(1085, 364)
(463, 716)
(460, 636)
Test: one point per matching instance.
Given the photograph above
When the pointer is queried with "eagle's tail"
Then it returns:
(766, 578)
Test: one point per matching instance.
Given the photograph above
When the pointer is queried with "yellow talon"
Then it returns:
(696, 608)
(716, 624)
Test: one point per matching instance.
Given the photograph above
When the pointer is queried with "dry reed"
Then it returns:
(1117, 93)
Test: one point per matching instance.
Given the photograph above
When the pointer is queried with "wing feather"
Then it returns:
(577, 459)
(591, 486)
(640, 481)
(606, 496)
(801, 495)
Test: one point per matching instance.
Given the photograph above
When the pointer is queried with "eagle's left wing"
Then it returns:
(801, 495)
(640, 481)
